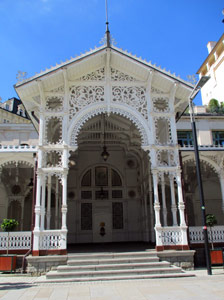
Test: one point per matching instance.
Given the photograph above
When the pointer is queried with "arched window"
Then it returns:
(101, 182)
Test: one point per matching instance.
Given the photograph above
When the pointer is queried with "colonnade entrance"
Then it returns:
(107, 196)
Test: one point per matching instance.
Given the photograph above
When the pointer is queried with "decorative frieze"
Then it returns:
(82, 96)
(117, 75)
(160, 104)
(131, 96)
(97, 75)
(54, 103)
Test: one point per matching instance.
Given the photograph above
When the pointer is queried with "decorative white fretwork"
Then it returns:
(115, 110)
(163, 131)
(59, 89)
(166, 158)
(156, 91)
(81, 96)
(131, 96)
(161, 104)
(54, 103)
(120, 76)
(53, 158)
(53, 130)
(97, 75)
(17, 163)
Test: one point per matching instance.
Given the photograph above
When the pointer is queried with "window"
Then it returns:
(101, 183)
(218, 138)
(185, 138)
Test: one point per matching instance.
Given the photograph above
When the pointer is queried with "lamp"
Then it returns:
(195, 91)
(104, 153)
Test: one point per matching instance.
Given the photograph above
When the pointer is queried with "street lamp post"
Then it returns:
(197, 88)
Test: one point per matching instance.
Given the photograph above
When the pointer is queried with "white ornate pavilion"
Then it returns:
(107, 99)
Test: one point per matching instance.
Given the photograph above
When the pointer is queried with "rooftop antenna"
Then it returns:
(107, 27)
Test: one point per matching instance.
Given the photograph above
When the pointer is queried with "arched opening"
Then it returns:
(211, 188)
(113, 194)
(16, 193)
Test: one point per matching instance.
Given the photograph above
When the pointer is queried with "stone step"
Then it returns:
(115, 266)
(81, 256)
(44, 279)
(112, 273)
(100, 261)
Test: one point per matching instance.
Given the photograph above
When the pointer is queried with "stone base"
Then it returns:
(179, 258)
(37, 265)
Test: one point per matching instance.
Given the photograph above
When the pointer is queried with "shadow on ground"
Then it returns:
(15, 286)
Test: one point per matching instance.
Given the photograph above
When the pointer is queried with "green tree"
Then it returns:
(213, 106)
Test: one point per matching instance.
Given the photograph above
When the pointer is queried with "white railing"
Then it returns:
(12, 148)
(171, 236)
(52, 239)
(202, 147)
(197, 237)
(19, 240)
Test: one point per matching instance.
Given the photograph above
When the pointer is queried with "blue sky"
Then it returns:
(36, 34)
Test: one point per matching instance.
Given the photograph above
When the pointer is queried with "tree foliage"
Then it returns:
(215, 107)
(9, 224)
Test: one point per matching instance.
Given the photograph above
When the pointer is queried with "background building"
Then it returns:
(213, 66)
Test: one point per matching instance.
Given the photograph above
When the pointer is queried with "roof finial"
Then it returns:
(107, 27)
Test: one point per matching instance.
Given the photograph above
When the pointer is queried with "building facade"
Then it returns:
(213, 66)
(106, 159)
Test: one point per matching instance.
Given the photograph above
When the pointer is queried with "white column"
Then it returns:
(64, 202)
(221, 179)
(156, 198)
(43, 196)
(151, 210)
(48, 201)
(37, 206)
(36, 232)
(158, 227)
(173, 201)
(164, 201)
(181, 205)
(56, 204)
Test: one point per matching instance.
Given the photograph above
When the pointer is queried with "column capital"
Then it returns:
(155, 171)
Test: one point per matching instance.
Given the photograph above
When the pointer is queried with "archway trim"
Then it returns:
(123, 110)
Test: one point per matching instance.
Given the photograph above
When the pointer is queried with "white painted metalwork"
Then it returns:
(171, 236)
(215, 234)
(51, 239)
(19, 240)
(12, 148)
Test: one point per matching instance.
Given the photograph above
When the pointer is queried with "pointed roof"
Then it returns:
(95, 51)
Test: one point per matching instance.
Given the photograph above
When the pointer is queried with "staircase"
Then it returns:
(114, 266)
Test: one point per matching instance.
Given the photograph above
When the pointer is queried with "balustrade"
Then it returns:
(20, 240)
(216, 234)
(171, 236)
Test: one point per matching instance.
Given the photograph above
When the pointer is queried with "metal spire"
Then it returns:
(107, 27)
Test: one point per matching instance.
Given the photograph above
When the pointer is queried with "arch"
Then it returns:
(206, 160)
(95, 109)
(93, 166)
(16, 161)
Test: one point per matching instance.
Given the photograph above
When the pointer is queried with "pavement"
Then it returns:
(202, 286)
